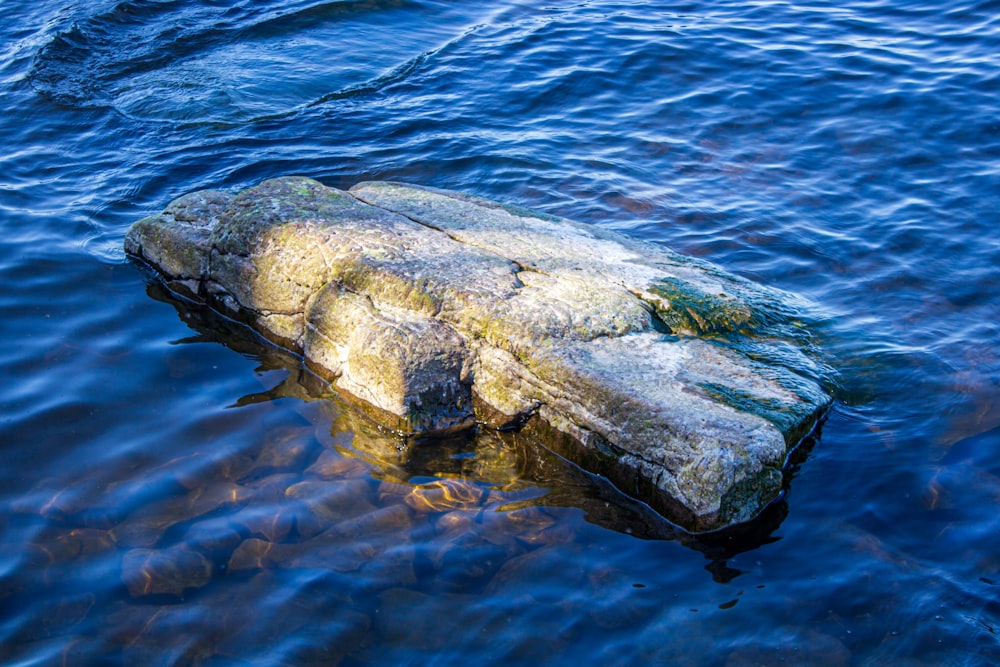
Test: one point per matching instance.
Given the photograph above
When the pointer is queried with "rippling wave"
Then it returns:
(182, 61)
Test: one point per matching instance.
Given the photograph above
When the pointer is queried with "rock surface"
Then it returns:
(683, 384)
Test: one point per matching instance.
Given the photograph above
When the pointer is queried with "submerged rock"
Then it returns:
(431, 310)
(164, 571)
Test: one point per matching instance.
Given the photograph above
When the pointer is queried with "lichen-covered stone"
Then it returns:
(683, 384)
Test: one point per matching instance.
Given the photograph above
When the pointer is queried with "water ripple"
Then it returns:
(176, 62)
(845, 152)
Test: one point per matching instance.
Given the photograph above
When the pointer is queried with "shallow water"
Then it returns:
(174, 492)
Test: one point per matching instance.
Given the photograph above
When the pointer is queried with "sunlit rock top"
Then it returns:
(431, 310)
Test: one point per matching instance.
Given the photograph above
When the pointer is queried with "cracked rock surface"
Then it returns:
(683, 384)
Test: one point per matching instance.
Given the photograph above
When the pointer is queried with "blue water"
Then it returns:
(174, 492)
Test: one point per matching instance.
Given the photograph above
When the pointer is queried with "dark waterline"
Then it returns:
(175, 492)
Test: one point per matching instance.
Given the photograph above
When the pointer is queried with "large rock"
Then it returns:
(685, 385)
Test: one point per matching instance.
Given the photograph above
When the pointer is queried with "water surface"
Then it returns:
(175, 492)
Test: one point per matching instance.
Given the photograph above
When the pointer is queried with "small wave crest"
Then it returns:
(235, 62)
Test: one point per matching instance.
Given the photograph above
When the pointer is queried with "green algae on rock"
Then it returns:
(684, 385)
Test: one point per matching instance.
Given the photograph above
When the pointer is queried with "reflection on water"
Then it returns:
(363, 527)
(511, 461)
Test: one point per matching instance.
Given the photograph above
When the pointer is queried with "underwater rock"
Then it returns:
(430, 310)
(164, 571)
(332, 465)
(322, 503)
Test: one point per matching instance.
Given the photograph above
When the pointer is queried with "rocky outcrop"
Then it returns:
(683, 384)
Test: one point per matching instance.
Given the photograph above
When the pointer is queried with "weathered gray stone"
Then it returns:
(685, 385)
